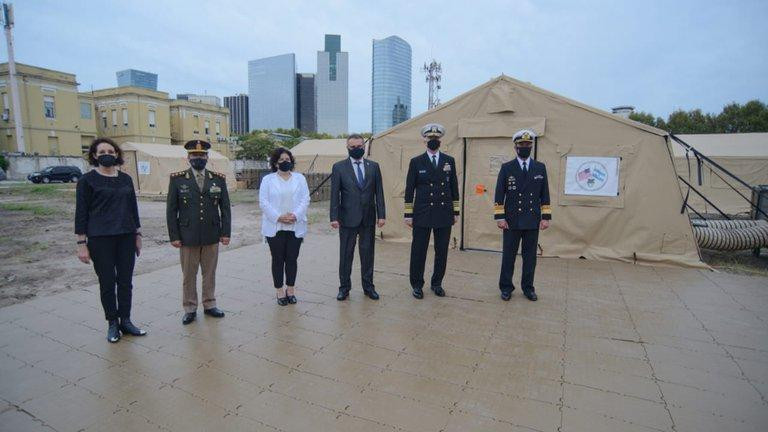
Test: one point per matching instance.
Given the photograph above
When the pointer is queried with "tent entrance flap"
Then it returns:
(484, 157)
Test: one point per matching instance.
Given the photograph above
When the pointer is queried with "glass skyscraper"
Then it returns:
(272, 92)
(332, 88)
(305, 102)
(137, 78)
(391, 93)
(238, 114)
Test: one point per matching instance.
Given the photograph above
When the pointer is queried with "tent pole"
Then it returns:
(704, 198)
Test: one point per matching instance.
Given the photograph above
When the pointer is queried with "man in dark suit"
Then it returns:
(521, 208)
(357, 208)
(199, 218)
(431, 206)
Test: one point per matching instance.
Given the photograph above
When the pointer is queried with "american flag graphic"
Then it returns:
(584, 174)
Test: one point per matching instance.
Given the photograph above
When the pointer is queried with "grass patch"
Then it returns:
(40, 190)
(35, 209)
(244, 196)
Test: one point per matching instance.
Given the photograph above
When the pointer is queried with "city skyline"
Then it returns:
(655, 56)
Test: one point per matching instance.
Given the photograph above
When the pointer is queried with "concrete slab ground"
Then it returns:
(608, 347)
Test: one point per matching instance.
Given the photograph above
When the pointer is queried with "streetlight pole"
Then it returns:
(7, 17)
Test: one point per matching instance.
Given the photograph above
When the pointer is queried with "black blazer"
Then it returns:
(523, 200)
(351, 205)
(432, 193)
(198, 217)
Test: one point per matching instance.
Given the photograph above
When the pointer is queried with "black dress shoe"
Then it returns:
(292, 299)
(127, 327)
(282, 301)
(418, 293)
(342, 295)
(506, 295)
(214, 312)
(371, 294)
(188, 317)
(113, 332)
(438, 290)
(531, 295)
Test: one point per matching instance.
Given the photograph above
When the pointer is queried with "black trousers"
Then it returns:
(284, 247)
(113, 259)
(347, 239)
(419, 247)
(512, 240)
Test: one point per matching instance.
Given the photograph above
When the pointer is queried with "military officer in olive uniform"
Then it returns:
(521, 208)
(431, 206)
(199, 218)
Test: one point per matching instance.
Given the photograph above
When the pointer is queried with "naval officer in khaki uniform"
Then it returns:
(199, 218)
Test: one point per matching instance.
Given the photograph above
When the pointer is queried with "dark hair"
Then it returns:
(355, 136)
(276, 153)
(95, 143)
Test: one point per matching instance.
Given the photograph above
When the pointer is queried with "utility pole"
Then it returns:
(7, 17)
(434, 73)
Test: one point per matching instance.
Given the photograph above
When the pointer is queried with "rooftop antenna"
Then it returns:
(7, 18)
(434, 72)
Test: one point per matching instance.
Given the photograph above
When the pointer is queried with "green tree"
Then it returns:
(255, 146)
(734, 118)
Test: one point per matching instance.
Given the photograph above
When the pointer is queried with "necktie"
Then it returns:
(200, 177)
(434, 161)
(525, 167)
(359, 175)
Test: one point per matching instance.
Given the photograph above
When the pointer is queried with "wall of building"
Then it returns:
(50, 111)
(272, 92)
(147, 113)
(189, 120)
(331, 96)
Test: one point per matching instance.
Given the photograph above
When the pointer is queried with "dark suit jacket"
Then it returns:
(351, 205)
(432, 193)
(198, 217)
(523, 200)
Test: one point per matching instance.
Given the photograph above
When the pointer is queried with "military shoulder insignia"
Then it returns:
(218, 174)
(178, 173)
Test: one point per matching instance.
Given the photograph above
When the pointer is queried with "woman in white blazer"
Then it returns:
(284, 200)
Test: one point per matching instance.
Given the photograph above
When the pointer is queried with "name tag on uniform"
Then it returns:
(422, 171)
(215, 189)
(446, 167)
(538, 176)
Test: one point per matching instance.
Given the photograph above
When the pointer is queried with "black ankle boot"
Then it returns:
(113, 333)
(127, 327)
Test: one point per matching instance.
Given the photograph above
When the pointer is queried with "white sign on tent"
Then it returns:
(144, 168)
(597, 176)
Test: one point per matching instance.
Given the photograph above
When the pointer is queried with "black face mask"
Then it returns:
(356, 152)
(433, 144)
(285, 166)
(198, 164)
(523, 152)
(107, 160)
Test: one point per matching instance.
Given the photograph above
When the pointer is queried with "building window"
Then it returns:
(125, 117)
(218, 128)
(49, 107)
(85, 110)
(151, 118)
(104, 119)
(196, 122)
(114, 118)
(207, 126)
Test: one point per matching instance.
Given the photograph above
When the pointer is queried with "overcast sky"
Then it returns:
(656, 55)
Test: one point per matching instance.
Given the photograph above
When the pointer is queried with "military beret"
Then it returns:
(197, 146)
(433, 130)
(524, 135)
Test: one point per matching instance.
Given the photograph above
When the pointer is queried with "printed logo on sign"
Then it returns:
(591, 176)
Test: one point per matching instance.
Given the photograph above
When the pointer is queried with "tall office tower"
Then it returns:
(137, 78)
(305, 102)
(391, 83)
(272, 92)
(332, 88)
(238, 114)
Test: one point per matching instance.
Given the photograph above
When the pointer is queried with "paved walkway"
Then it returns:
(608, 347)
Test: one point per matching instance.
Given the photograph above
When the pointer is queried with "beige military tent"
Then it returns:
(150, 165)
(743, 154)
(590, 154)
(319, 155)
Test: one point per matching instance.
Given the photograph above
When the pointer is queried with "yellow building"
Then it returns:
(195, 120)
(133, 114)
(56, 119)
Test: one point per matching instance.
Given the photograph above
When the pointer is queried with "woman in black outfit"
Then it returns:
(107, 228)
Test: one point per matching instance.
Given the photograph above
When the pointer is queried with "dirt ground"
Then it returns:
(37, 244)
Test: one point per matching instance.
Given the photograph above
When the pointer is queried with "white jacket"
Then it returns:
(269, 201)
